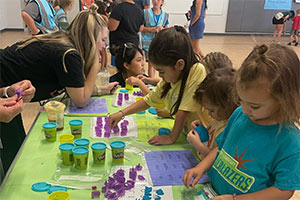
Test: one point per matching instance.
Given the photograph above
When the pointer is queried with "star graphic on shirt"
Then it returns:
(239, 159)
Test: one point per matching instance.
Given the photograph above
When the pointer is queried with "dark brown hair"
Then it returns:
(217, 89)
(215, 60)
(168, 46)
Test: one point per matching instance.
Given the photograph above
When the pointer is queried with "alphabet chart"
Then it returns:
(168, 167)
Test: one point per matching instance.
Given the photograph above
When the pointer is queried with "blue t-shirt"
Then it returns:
(253, 157)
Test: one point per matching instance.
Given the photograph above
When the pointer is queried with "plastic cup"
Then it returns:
(76, 128)
(55, 111)
(66, 138)
(59, 195)
(50, 131)
(117, 149)
(127, 86)
(82, 142)
(81, 155)
(66, 153)
(99, 149)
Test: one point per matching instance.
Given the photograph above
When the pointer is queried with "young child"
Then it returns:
(215, 95)
(61, 8)
(130, 63)
(258, 154)
(215, 60)
(155, 19)
(172, 56)
(295, 28)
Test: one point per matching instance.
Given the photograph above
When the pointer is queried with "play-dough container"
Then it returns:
(138, 98)
(55, 111)
(66, 153)
(127, 86)
(81, 155)
(66, 138)
(203, 133)
(83, 142)
(99, 149)
(59, 195)
(76, 128)
(117, 149)
(50, 131)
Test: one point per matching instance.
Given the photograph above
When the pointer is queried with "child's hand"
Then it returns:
(192, 173)
(195, 123)
(193, 138)
(114, 119)
(223, 197)
(160, 140)
(163, 113)
(134, 81)
(143, 78)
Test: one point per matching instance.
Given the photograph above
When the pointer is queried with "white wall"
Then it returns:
(10, 14)
(216, 15)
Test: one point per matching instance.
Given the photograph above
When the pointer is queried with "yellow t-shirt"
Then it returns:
(196, 76)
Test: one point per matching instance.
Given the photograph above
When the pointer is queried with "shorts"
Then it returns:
(275, 21)
(196, 31)
(294, 32)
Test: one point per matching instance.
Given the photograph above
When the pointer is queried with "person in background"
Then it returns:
(172, 56)
(39, 15)
(142, 4)
(130, 63)
(295, 28)
(61, 8)
(124, 23)
(279, 22)
(12, 133)
(215, 95)
(197, 24)
(258, 153)
(155, 19)
(85, 4)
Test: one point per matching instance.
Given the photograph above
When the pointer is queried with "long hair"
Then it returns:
(281, 66)
(61, 4)
(81, 36)
(167, 47)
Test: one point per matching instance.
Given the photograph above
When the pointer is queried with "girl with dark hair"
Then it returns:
(171, 54)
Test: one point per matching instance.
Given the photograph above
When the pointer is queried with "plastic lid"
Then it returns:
(117, 144)
(203, 133)
(75, 122)
(40, 187)
(59, 195)
(164, 131)
(66, 146)
(124, 90)
(57, 188)
(80, 150)
(152, 111)
(49, 125)
(82, 142)
(99, 146)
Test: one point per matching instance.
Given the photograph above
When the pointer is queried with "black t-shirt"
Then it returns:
(41, 64)
(131, 17)
(141, 3)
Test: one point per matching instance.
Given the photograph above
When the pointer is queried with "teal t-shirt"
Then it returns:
(253, 157)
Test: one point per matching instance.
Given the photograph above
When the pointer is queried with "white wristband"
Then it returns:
(5, 92)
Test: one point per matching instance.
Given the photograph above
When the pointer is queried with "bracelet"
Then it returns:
(123, 114)
(5, 92)
(234, 196)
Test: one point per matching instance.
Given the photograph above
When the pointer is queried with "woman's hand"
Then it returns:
(109, 88)
(9, 108)
(25, 87)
